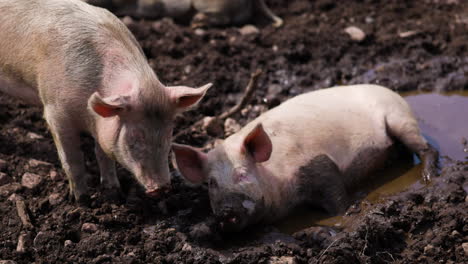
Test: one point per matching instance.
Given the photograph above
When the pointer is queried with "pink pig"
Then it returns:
(314, 148)
(88, 72)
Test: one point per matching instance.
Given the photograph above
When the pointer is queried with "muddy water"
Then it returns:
(443, 119)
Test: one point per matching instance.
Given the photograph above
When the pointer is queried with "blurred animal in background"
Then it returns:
(200, 12)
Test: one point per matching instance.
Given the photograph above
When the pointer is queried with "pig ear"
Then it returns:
(258, 144)
(184, 97)
(190, 163)
(108, 106)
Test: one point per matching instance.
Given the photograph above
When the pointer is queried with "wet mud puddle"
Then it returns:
(443, 119)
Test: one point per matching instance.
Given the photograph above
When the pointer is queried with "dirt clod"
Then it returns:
(31, 180)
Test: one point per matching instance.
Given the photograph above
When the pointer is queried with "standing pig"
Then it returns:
(88, 72)
(313, 148)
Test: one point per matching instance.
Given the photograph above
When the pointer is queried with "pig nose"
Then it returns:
(159, 191)
(228, 220)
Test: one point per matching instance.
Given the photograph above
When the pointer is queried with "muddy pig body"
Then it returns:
(312, 148)
(90, 75)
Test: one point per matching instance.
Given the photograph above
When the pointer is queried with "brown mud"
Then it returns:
(409, 46)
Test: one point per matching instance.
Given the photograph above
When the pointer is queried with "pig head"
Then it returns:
(134, 127)
(237, 182)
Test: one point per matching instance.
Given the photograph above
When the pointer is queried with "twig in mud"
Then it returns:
(21, 246)
(325, 251)
(385, 252)
(365, 245)
(249, 91)
(23, 213)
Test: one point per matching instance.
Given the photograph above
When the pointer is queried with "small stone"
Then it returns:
(89, 227)
(127, 21)
(67, 243)
(4, 178)
(31, 180)
(231, 126)
(407, 34)
(355, 33)
(187, 247)
(55, 199)
(465, 248)
(7, 262)
(3, 165)
(429, 250)
(455, 233)
(35, 163)
(8, 189)
(282, 260)
(54, 175)
(369, 20)
(32, 135)
(248, 30)
(274, 48)
(199, 32)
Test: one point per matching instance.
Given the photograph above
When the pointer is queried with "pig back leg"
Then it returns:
(263, 9)
(67, 141)
(403, 126)
(320, 183)
(19, 89)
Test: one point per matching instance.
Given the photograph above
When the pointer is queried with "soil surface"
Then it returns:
(409, 45)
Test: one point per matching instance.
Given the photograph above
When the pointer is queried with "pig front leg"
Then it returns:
(109, 179)
(67, 141)
(404, 127)
(320, 183)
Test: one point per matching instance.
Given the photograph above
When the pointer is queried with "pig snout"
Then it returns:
(231, 220)
(232, 213)
(158, 191)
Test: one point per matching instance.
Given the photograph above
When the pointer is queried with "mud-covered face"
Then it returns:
(236, 194)
(233, 172)
(143, 149)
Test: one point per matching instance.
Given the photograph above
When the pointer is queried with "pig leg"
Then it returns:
(109, 178)
(19, 90)
(67, 141)
(264, 10)
(321, 184)
(404, 127)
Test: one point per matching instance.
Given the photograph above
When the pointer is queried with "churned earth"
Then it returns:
(419, 45)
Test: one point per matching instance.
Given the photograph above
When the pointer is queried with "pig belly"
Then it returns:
(19, 90)
(367, 161)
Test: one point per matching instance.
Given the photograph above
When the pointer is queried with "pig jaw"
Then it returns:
(236, 211)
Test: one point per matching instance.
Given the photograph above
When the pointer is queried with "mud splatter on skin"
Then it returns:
(179, 227)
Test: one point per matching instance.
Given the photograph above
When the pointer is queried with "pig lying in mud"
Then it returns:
(88, 72)
(313, 148)
(204, 12)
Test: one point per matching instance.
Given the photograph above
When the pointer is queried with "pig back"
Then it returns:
(343, 123)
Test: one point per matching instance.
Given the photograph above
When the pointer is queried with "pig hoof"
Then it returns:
(156, 193)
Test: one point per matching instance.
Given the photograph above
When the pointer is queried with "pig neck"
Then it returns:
(278, 193)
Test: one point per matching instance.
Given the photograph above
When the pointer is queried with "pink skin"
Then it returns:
(312, 148)
(90, 75)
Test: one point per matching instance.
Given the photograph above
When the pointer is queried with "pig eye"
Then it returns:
(213, 183)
